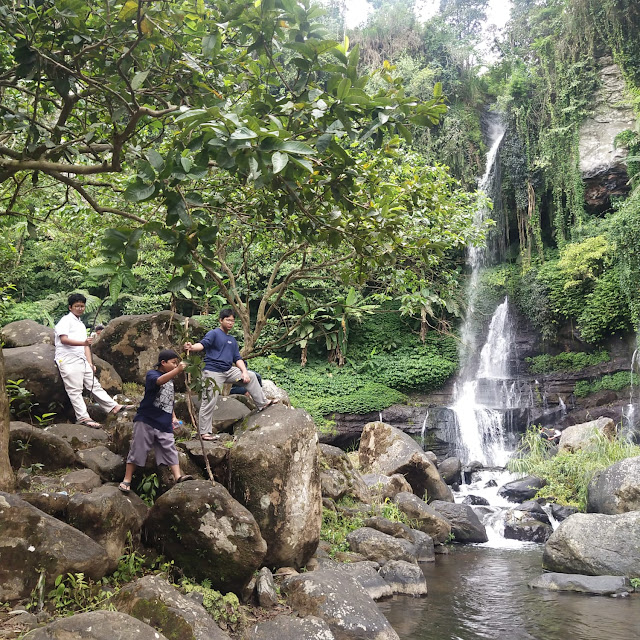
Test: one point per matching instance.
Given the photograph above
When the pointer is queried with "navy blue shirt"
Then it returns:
(221, 351)
(156, 408)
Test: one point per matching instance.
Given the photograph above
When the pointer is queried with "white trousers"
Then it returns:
(214, 381)
(77, 373)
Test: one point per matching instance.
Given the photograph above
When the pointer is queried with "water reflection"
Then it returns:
(477, 593)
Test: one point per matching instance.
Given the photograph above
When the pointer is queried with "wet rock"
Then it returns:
(199, 515)
(561, 512)
(341, 602)
(427, 519)
(475, 500)
(595, 544)
(32, 445)
(615, 489)
(154, 601)
(520, 525)
(274, 472)
(97, 625)
(465, 524)
(386, 450)
(521, 490)
(404, 577)
(32, 541)
(596, 585)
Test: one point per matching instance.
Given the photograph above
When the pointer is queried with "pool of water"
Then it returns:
(480, 593)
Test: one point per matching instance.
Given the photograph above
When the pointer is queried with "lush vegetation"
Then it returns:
(568, 474)
(567, 361)
(614, 382)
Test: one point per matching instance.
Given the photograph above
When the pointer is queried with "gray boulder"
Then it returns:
(521, 490)
(97, 625)
(198, 515)
(380, 547)
(451, 470)
(578, 436)
(290, 628)
(216, 452)
(24, 333)
(521, 525)
(387, 450)
(78, 436)
(383, 487)
(108, 465)
(32, 541)
(616, 489)
(132, 343)
(596, 585)
(83, 480)
(426, 517)
(266, 589)
(465, 524)
(229, 410)
(338, 477)
(404, 577)
(595, 544)
(153, 600)
(272, 391)
(107, 516)
(32, 445)
(423, 542)
(365, 573)
(274, 472)
(341, 602)
(53, 503)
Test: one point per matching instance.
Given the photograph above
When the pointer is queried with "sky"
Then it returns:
(497, 13)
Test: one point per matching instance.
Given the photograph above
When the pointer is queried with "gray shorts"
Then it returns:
(145, 437)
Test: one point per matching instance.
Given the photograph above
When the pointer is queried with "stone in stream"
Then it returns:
(596, 585)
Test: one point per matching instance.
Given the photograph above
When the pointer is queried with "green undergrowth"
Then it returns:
(568, 474)
(613, 382)
(568, 361)
(337, 525)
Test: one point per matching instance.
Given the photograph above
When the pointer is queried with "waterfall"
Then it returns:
(629, 416)
(483, 390)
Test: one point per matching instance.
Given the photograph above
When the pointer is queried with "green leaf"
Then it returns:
(138, 79)
(179, 282)
(137, 191)
(155, 160)
(299, 148)
(279, 161)
(115, 286)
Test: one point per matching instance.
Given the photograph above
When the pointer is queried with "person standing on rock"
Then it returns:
(154, 423)
(73, 357)
(222, 364)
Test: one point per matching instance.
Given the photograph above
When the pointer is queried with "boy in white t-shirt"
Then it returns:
(73, 357)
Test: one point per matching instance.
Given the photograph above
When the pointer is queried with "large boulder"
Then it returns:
(338, 477)
(365, 573)
(108, 465)
(97, 625)
(289, 628)
(595, 544)
(451, 470)
(380, 547)
(32, 445)
(216, 453)
(274, 472)
(32, 542)
(229, 410)
(383, 487)
(341, 602)
(578, 436)
(596, 585)
(427, 519)
(616, 489)
(207, 533)
(465, 524)
(132, 343)
(79, 436)
(154, 601)
(387, 450)
(107, 516)
(24, 333)
(404, 577)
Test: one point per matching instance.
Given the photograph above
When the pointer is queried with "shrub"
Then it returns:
(568, 361)
(614, 382)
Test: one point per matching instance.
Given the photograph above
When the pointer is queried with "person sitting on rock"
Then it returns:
(222, 364)
(154, 423)
(73, 357)
(238, 388)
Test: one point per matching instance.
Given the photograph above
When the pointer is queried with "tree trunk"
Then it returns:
(7, 480)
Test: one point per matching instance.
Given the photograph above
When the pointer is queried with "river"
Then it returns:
(479, 593)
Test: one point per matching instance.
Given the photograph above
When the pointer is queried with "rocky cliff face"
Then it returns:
(601, 163)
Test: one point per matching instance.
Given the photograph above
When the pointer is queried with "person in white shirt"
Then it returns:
(73, 357)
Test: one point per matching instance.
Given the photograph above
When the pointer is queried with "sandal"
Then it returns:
(123, 407)
(270, 403)
(206, 436)
(124, 486)
(184, 479)
(90, 423)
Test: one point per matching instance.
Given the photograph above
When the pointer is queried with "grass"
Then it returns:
(568, 474)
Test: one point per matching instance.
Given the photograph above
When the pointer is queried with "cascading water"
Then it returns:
(484, 389)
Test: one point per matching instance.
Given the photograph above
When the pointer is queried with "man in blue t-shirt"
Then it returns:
(223, 363)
